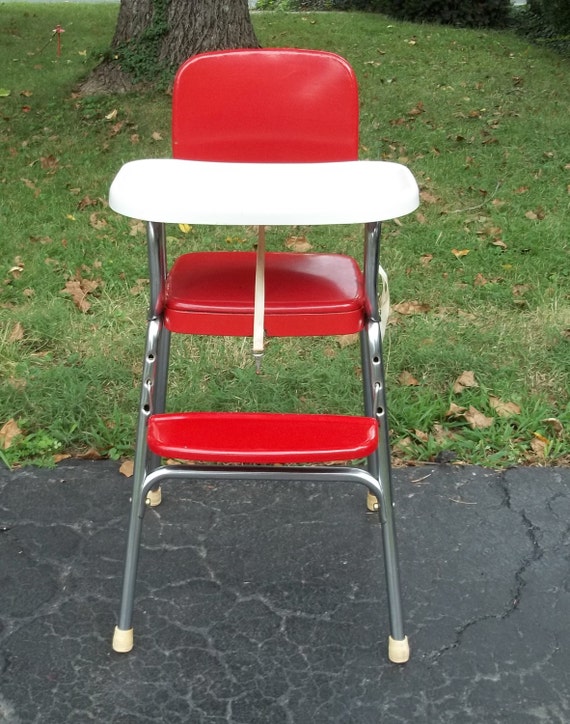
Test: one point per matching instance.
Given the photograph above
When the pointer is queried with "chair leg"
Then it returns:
(379, 466)
(154, 496)
(123, 636)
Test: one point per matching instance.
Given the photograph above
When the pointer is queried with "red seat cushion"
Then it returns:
(241, 437)
(305, 294)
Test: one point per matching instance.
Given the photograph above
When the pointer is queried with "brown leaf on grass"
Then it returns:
(49, 163)
(555, 425)
(539, 445)
(480, 280)
(476, 419)
(520, 289)
(41, 239)
(428, 198)
(17, 269)
(459, 253)
(346, 340)
(137, 227)
(425, 259)
(412, 307)
(127, 468)
(78, 290)
(58, 457)
(417, 110)
(500, 243)
(421, 435)
(8, 433)
(139, 287)
(442, 434)
(17, 333)
(455, 410)
(298, 244)
(156, 136)
(32, 186)
(116, 128)
(536, 215)
(90, 454)
(504, 409)
(465, 379)
(87, 201)
(97, 222)
(407, 379)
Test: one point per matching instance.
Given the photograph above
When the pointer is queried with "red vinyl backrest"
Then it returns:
(265, 106)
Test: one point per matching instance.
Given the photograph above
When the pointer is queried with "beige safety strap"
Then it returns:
(259, 300)
(384, 301)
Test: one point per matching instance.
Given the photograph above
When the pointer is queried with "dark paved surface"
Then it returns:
(261, 604)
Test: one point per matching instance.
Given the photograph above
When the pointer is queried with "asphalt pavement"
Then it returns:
(265, 603)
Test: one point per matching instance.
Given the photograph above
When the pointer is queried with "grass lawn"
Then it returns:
(480, 275)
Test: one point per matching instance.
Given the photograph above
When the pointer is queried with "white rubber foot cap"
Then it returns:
(154, 498)
(398, 651)
(372, 503)
(122, 640)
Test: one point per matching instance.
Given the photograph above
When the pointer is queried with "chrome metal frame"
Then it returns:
(149, 473)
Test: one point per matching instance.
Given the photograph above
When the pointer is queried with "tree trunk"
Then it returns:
(153, 37)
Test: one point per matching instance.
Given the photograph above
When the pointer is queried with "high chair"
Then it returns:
(263, 137)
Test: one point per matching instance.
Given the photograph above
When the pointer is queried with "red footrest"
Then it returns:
(237, 437)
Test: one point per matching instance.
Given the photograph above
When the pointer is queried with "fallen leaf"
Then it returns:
(85, 202)
(127, 468)
(504, 409)
(31, 185)
(421, 435)
(428, 198)
(112, 115)
(346, 340)
(116, 128)
(555, 424)
(412, 307)
(49, 163)
(97, 222)
(137, 227)
(520, 289)
(4, 92)
(298, 243)
(455, 410)
(442, 434)
(406, 379)
(476, 419)
(58, 457)
(90, 454)
(536, 215)
(465, 379)
(539, 445)
(480, 280)
(17, 333)
(8, 433)
(185, 228)
(425, 259)
(458, 253)
(500, 243)
(78, 290)
(156, 136)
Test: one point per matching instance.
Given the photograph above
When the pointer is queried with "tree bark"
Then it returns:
(153, 37)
